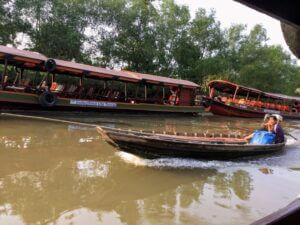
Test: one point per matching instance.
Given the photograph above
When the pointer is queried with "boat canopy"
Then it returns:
(13, 54)
(36, 61)
(232, 88)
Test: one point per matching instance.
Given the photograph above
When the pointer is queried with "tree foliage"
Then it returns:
(148, 36)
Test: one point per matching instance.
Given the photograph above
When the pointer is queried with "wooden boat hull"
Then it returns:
(219, 108)
(20, 100)
(289, 215)
(154, 146)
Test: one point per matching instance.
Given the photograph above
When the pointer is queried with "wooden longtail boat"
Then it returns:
(230, 99)
(289, 215)
(155, 145)
(30, 80)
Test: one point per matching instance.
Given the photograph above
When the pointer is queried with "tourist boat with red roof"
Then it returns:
(230, 99)
(30, 80)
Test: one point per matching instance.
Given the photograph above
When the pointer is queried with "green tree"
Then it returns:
(201, 51)
(57, 27)
(172, 26)
(11, 23)
(262, 66)
(129, 38)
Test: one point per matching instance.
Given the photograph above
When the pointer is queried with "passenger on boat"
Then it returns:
(242, 101)
(224, 99)
(174, 98)
(43, 86)
(272, 126)
(5, 81)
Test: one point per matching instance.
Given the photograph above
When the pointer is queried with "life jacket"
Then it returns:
(53, 86)
(173, 99)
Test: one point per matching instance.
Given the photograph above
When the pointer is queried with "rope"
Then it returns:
(75, 123)
(48, 119)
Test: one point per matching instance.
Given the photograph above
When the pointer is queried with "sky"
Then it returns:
(229, 12)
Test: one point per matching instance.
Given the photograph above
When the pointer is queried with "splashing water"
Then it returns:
(175, 163)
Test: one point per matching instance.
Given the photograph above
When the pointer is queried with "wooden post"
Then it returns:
(21, 76)
(145, 91)
(125, 90)
(81, 81)
(53, 78)
(247, 95)
(35, 77)
(258, 97)
(47, 78)
(4, 72)
(136, 91)
(164, 94)
(236, 90)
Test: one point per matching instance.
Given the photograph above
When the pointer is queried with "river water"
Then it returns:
(53, 173)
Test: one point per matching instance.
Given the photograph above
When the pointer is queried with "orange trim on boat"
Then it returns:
(26, 59)
(101, 75)
(27, 64)
(128, 79)
(69, 69)
(169, 84)
(18, 93)
(152, 82)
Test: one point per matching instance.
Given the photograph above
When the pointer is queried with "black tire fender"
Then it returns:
(47, 99)
(50, 65)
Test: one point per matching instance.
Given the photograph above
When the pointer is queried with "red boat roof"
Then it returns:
(35, 60)
(91, 71)
(229, 87)
(159, 79)
(281, 96)
(16, 53)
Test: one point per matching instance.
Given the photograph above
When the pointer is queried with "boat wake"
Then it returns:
(175, 163)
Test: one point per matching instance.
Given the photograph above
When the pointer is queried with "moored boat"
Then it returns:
(230, 99)
(196, 145)
(30, 80)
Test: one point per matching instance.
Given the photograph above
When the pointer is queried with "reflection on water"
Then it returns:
(54, 173)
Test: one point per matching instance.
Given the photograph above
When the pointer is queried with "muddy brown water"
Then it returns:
(52, 173)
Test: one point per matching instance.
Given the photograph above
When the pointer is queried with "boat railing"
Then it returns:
(256, 104)
(180, 134)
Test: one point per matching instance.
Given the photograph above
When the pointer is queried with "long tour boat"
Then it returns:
(230, 99)
(30, 80)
